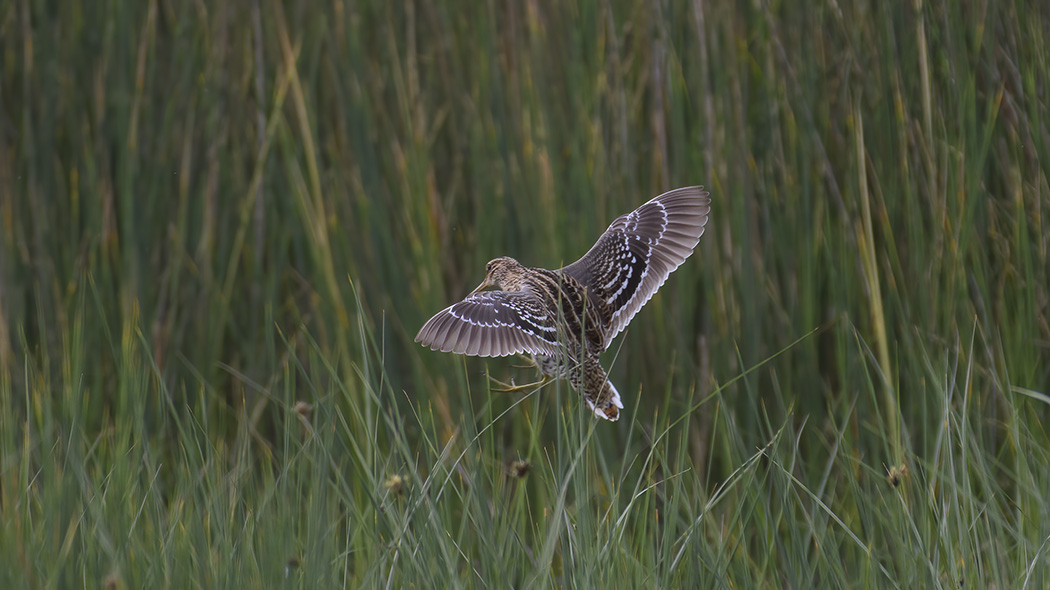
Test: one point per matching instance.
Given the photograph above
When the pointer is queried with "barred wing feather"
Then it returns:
(633, 258)
(493, 323)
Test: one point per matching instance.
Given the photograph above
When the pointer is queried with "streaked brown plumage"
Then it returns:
(566, 317)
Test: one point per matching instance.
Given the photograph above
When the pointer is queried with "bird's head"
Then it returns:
(504, 273)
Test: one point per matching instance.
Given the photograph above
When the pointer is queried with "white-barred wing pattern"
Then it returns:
(493, 323)
(565, 318)
(634, 257)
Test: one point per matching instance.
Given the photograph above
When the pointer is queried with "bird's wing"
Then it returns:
(633, 258)
(493, 323)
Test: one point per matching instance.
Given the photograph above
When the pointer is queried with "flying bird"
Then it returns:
(566, 318)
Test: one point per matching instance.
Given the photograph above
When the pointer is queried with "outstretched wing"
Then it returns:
(633, 258)
(493, 323)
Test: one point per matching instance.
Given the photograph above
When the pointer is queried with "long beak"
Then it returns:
(483, 284)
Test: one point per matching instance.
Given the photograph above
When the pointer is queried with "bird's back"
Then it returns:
(580, 316)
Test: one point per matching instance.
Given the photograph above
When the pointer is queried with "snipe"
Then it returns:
(566, 317)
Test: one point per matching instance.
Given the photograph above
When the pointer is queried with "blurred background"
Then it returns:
(223, 223)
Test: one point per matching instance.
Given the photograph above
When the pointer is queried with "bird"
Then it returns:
(565, 318)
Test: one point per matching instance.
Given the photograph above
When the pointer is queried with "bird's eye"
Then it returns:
(488, 267)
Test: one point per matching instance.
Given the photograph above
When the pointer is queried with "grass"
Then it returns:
(220, 228)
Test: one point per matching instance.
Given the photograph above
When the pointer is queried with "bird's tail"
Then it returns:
(607, 404)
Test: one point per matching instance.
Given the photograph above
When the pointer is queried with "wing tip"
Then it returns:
(696, 191)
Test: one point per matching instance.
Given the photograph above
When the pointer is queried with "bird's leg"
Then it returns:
(505, 388)
(531, 363)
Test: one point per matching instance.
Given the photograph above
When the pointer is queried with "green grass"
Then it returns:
(222, 224)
